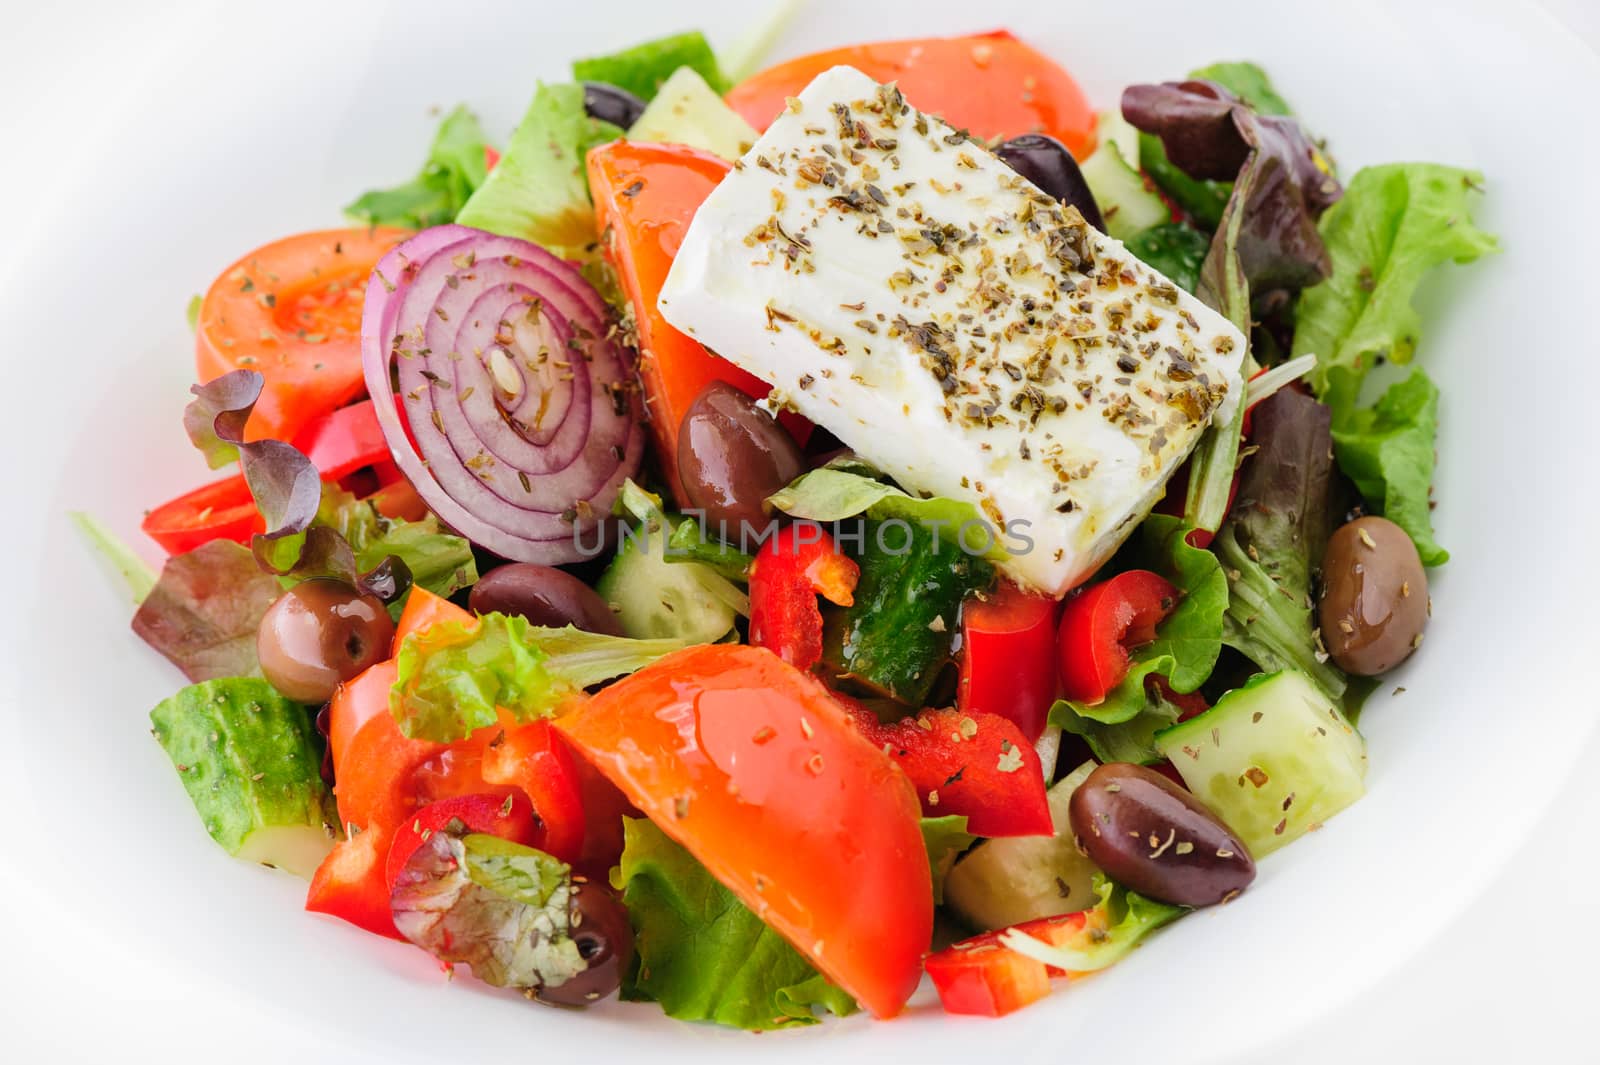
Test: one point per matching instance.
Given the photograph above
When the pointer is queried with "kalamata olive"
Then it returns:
(545, 596)
(1151, 836)
(1374, 596)
(1046, 162)
(604, 938)
(731, 457)
(318, 633)
(611, 104)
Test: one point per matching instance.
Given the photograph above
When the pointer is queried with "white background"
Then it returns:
(1511, 978)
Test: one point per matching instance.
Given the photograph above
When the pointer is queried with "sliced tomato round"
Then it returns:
(758, 772)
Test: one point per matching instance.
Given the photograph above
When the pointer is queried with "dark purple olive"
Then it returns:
(611, 104)
(1374, 596)
(318, 633)
(1151, 836)
(604, 939)
(731, 457)
(1046, 162)
(545, 596)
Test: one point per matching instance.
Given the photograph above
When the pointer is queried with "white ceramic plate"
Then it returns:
(146, 149)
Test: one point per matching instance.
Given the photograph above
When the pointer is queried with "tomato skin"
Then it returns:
(953, 761)
(980, 976)
(644, 197)
(1008, 664)
(1101, 623)
(753, 767)
(292, 311)
(222, 510)
(792, 568)
(990, 84)
(510, 817)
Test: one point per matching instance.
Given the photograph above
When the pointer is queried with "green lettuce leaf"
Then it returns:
(642, 68)
(1130, 740)
(1387, 450)
(452, 676)
(1114, 927)
(1187, 642)
(538, 190)
(945, 837)
(688, 544)
(497, 906)
(833, 494)
(1247, 81)
(454, 169)
(136, 573)
(701, 953)
(1395, 223)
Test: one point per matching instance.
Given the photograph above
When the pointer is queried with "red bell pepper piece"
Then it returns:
(343, 440)
(974, 764)
(792, 568)
(1102, 623)
(1008, 664)
(981, 976)
(223, 510)
(538, 762)
(509, 817)
(1190, 704)
(490, 158)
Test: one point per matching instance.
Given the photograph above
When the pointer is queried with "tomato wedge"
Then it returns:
(292, 310)
(752, 766)
(644, 197)
(990, 84)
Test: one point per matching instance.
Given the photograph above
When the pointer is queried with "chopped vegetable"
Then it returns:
(1111, 929)
(1387, 450)
(753, 767)
(791, 570)
(455, 677)
(456, 166)
(523, 446)
(645, 68)
(1177, 249)
(250, 761)
(511, 818)
(291, 310)
(1008, 661)
(945, 837)
(1273, 759)
(989, 83)
(703, 956)
(222, 510)
(203, 613)
(536, 190)
(688, 111)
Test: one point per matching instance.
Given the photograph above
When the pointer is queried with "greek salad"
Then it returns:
(754, 538)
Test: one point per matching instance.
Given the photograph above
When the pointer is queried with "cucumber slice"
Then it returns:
(687, 111)
(655, 598)
(250, 761)
(1127, 206)
(1002, 882)
(1274, 759)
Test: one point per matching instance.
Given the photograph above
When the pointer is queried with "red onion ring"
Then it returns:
(522, 412)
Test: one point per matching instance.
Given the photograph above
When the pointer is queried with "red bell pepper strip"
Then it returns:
(536, 760)
(974, 764)
(1008, 664)
(1102, 623)
(983, 977)
(223, 510)
(343, 440)
(509, 817)
(795, 566)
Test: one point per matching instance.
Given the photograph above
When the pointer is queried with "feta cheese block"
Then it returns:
(956, 327)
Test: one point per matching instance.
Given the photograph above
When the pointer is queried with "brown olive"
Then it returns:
(318, 633)
(731, 457)
(604, 938)
(1151, 836)
(545, 596)
(1374, 596)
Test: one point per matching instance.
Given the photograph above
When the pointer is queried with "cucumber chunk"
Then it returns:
(655, 598)
(1274, 759)
(688, 111)
(1002, 882)
(251, 763)
(1127, 206)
